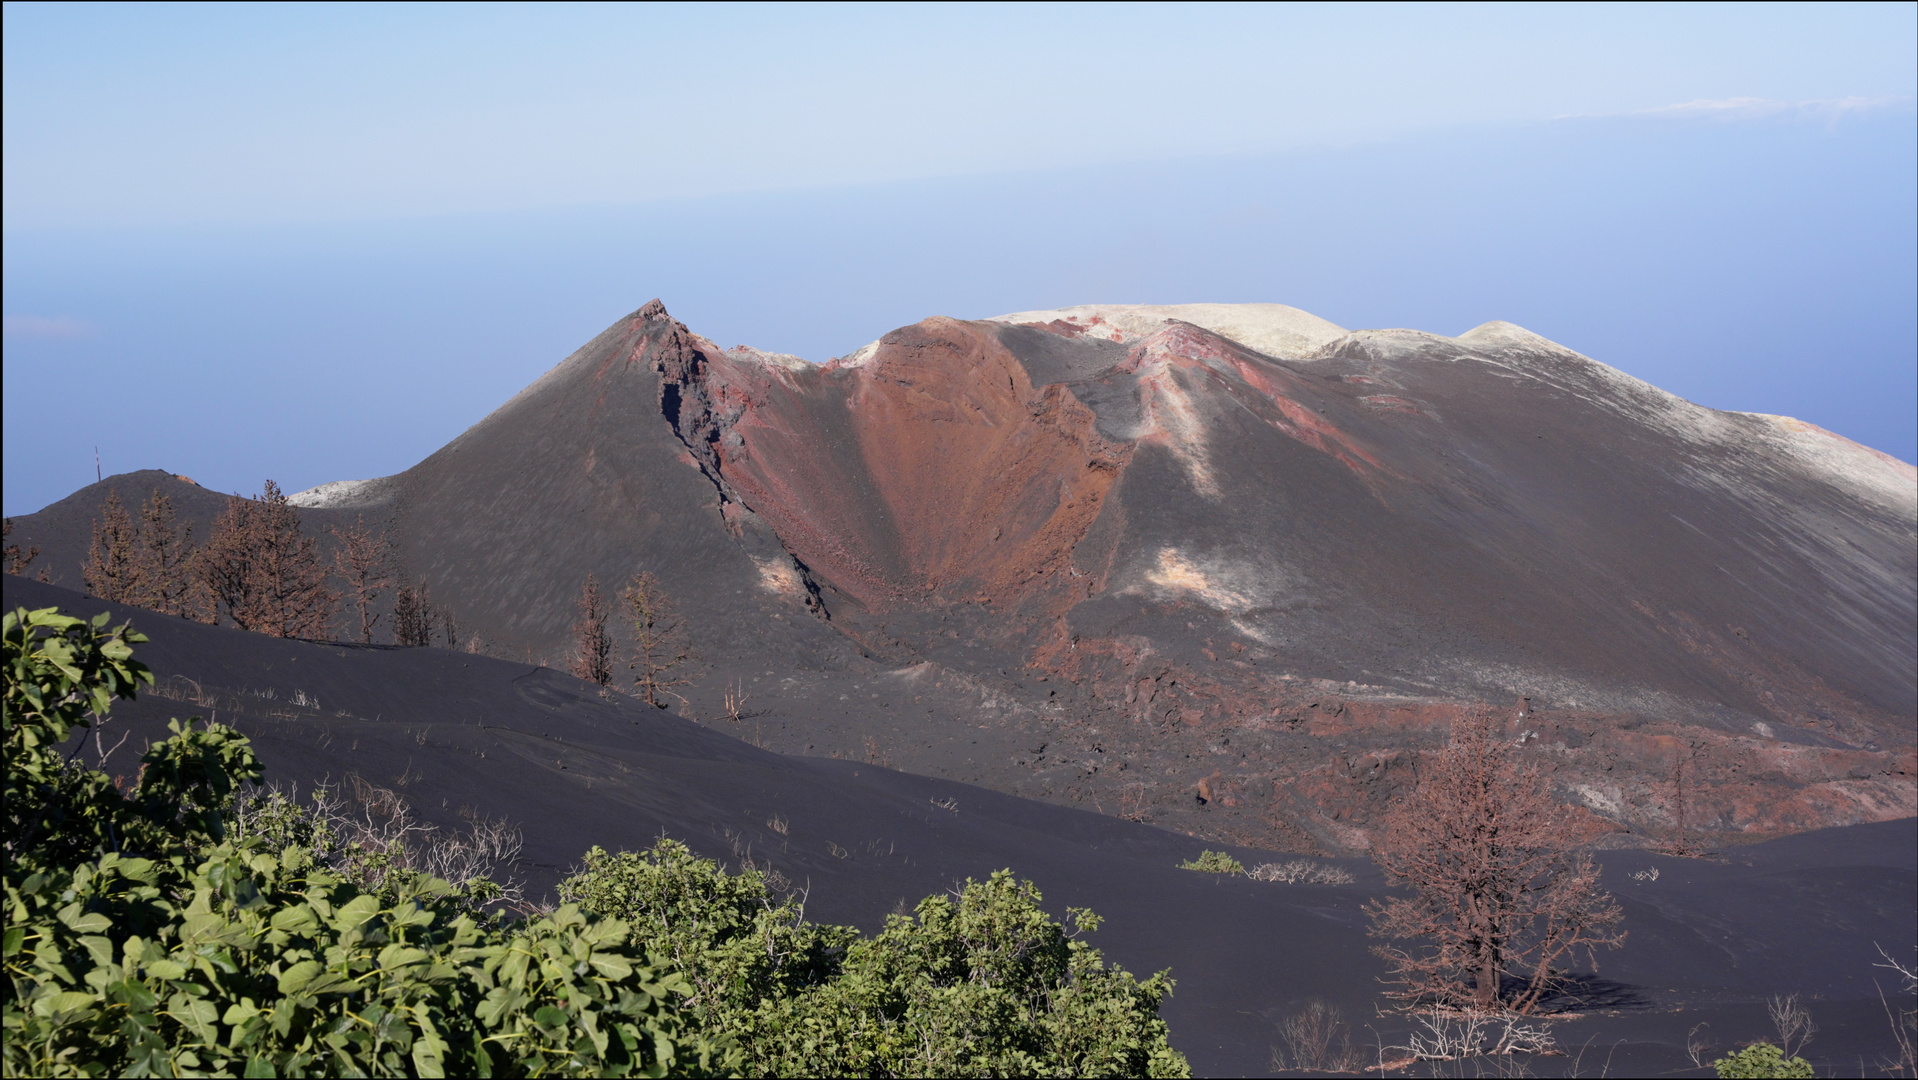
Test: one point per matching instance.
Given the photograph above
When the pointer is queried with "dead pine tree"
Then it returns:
(436, 619)
(167, 581)
(1499, 892)
(112, 569)
(224, 566)
(592, 657)
(659, 638)
(412, 617)
(263, 572)
(361, 559)
(292, 594)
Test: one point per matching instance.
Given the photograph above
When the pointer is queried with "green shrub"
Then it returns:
(142, 938)
(1214, 862)
(139, 941)
(1759, 1060)
(979, 984)
(268, 963)
(735, 944)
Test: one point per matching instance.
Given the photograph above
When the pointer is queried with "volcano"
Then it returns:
(1224, 568)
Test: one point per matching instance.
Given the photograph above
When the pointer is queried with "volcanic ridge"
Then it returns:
(1222, 568)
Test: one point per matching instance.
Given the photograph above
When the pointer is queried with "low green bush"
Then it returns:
(1214, 862)
(1761, 1059)
(144, 940)
(140, 941)
(982, 983)
(266, 966)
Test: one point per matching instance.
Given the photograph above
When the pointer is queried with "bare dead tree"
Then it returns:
(448, 625)
(412, 622)
(112, 568)
(735, 702)
(592, 657)
(361, 561)
(263, 572)
(165, 556)
(1792, 1021)
(1317, 1039)
(292, 594)
(659, 638)
(1683, 844)
(224, 566)
(1499, 891)
(16, 561)
(425, 619)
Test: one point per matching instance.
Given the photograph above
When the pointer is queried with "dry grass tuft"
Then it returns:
(370, 833)
(1301, 872)
(1317, 1039)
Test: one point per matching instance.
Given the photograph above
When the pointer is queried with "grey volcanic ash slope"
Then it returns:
(1217, 565)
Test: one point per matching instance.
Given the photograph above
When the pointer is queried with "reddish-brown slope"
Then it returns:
(935, 472)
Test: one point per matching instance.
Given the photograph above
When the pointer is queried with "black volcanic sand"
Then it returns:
(1710, 939)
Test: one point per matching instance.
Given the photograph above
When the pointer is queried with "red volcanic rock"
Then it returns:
(1119, 556)
(934, 472)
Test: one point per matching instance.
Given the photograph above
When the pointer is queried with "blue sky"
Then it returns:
(315, 243)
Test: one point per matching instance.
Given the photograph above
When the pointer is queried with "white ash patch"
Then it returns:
(1390, 345)
(913, 673)
(1273, 329)
(1175, 575)
(337, 493)
(1170, 417)
(1609, 804)
(1501, 334)
(778, 576)
(1255, 632)
(857, 358)
(958, 683)
(782, 361)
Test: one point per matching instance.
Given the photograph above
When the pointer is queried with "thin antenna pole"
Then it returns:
(96, 465)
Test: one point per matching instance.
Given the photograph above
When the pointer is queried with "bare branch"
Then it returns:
(1499, 893)
(592, 657)
(659, 638)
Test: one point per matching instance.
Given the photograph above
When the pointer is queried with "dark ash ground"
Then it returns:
(1710, 939)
